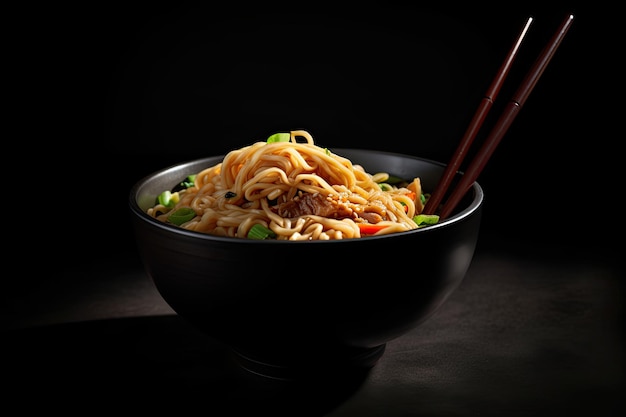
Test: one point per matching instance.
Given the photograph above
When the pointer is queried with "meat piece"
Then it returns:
(371, 217)
(315, 204)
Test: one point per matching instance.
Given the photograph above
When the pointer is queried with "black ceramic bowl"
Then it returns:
(320, 305)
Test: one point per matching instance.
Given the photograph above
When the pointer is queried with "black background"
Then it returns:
(102, 94)
(108, 93)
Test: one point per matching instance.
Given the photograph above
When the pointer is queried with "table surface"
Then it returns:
(538, 332)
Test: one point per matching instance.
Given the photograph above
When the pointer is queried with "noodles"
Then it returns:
(295, 190)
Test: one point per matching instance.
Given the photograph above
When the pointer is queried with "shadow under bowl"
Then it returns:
(293, 309)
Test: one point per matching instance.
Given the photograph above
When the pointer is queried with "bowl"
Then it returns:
(290, 309)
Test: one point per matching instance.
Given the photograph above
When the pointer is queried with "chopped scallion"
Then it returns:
(260, 232)
(279, 137)
(394, 180)
(425, 219)
(182, 215)
(189, 181)
(168, 199)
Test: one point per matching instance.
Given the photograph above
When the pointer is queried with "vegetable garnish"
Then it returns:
(182, 215)
(394, 180)
(425, 219)
(168, 199)
(260, 232)
(279, 137)
(369, 228)
(189, 181)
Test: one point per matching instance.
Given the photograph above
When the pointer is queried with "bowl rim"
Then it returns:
(472, 207)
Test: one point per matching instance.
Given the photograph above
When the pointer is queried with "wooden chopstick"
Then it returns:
(470, 133)
(504, 122)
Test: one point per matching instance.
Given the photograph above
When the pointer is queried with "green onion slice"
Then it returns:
(425, 219)
(279, 137)
(168, 199)
(395, 180)
(260, 232)
(182, 215)
(189, 181)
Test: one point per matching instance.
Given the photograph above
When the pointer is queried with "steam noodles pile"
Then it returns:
(292, 189)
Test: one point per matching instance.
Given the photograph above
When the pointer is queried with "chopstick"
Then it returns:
(506, 119)
(477, 120)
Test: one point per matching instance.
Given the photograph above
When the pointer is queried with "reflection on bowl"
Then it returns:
(296, 308)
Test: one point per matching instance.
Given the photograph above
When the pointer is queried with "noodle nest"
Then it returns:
(295, 189)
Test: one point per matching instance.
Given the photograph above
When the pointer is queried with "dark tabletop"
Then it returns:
(530, 331)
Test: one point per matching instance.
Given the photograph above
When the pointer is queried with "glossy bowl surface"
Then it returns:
(287, 308)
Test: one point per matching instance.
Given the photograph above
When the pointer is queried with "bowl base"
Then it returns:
(353, 360)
